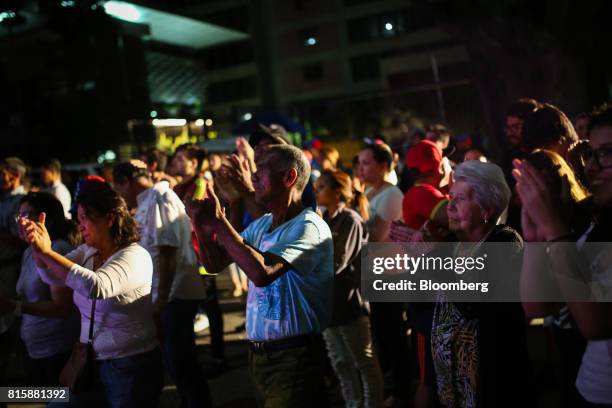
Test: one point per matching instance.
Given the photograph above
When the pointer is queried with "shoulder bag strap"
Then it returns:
(91, 322)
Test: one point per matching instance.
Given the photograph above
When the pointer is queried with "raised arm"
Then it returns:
(59, 306)
(208, 216)
(124, 273)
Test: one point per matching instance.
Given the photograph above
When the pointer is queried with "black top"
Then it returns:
(505, 369)
(349, 235)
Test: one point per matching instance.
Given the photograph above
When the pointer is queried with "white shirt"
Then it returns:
(594, 381)
(162, 220)
(59, 190)
(387, 204)
(123, 320)
(392, 177)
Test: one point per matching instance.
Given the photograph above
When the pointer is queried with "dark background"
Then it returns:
(71, 77)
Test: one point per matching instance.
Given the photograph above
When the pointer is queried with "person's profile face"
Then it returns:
(93, 231)
(514, 130)
(369, 169)
(215, 162)
(184, 166)
(600, 178)
(582, 128)
(46, 176)
(27, 211)
(267, 180)
(7, 179)
(324, 192)
(464, 214)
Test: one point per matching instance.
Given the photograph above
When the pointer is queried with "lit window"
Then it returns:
(310, 41)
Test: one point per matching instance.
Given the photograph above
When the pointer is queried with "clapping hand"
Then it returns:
(225, 187)
(35, 233)
(237, 170)
(401, 232)
(541, 210)
(246, 151)
(205, 212)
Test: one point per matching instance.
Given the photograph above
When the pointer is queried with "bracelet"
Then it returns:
(18, 305)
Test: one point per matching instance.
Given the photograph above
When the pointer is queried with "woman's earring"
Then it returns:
(486, 221)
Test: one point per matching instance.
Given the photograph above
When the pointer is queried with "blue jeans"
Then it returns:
(134, 381)
(180, 354)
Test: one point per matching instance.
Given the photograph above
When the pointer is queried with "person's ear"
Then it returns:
(487, 216)
(291, 177)
(110, 220)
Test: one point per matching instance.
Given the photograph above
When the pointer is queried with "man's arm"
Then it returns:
(213, 256)
(534, 281)
(209, 217)
(59, 306)
(261, 268)
(167, 267)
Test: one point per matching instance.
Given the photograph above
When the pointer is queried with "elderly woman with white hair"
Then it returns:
(479, 349)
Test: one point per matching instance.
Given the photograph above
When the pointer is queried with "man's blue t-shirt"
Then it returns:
(299, 301)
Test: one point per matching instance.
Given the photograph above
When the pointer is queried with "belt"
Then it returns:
(282, 344)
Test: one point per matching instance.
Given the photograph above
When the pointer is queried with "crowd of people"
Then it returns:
(127, 262)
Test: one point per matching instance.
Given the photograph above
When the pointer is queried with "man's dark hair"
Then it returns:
(154, 155)
(522, 108)
(53, 164)
(287, 157)
(439, 133)
(546, 127)
(382, 153)
(129, 171)
(15, 165)
(98, 199)
(601, 116)
(193, 152)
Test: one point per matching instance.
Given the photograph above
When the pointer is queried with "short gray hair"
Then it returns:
(15, 165)
(288, 157)
(488, 183)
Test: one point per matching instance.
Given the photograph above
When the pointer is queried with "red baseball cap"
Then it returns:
(425, 157)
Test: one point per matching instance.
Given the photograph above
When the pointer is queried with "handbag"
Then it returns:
(79, 372)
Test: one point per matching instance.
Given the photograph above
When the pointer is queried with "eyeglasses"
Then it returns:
(602, 156)
(23, 215)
